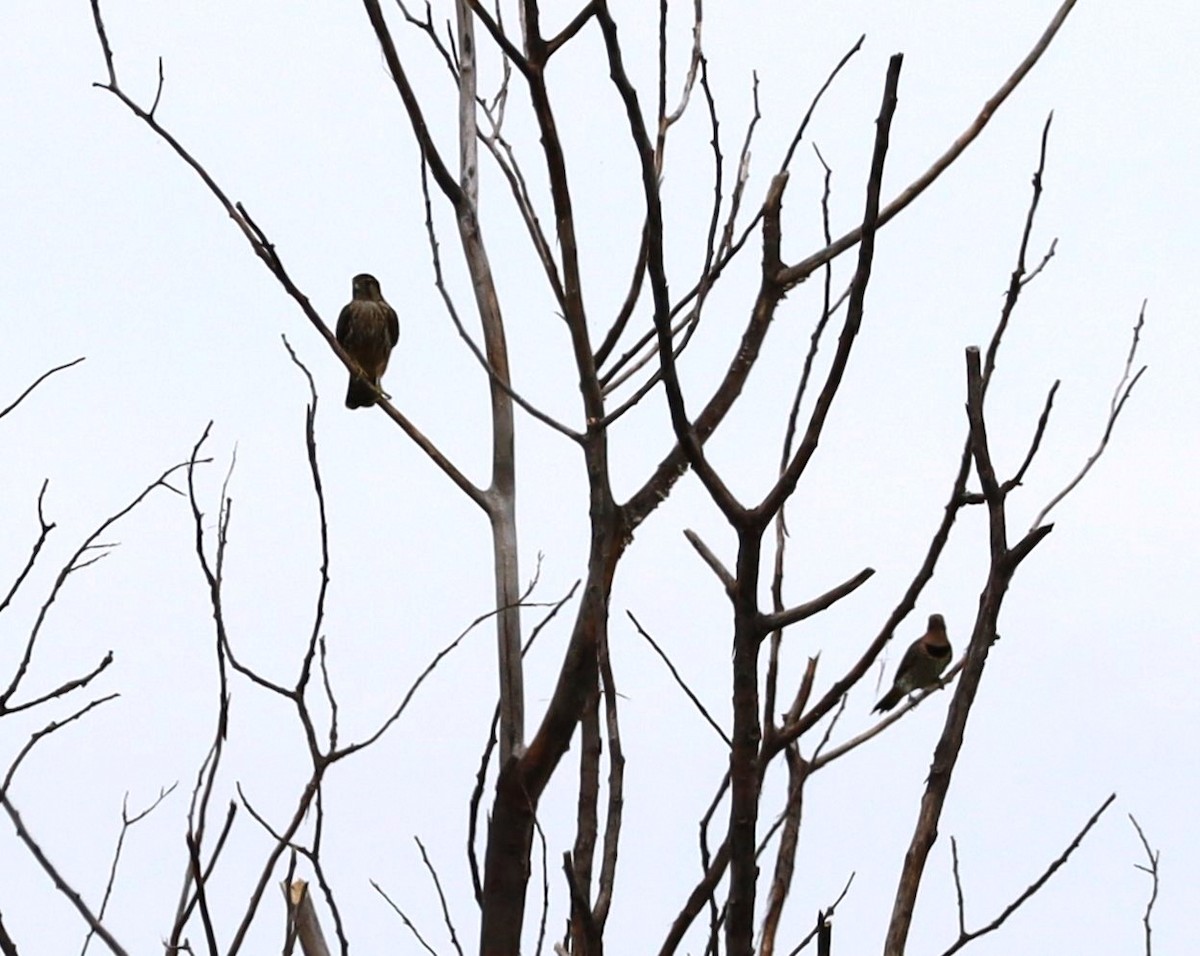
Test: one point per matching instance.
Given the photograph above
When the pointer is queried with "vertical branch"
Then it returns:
(1004, 563)
(1152, 871)
(520, 784)
(502, 493)
(746, 764)
(500, 497)
(616, 791)
(854, 311)
(468, 142)
(745, 781)
(586, 824)
(785, 861)
(781, 529)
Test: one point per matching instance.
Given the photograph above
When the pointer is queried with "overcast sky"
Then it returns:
(115, 251)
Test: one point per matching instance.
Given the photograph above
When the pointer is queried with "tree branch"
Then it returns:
(796, 274)
(782, 619)
(36, 382)
(1120, 396)
(1152, 870)
(61, 884)
(966, 937)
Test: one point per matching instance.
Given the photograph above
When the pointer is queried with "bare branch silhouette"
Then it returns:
(679, 680)
(966, 937)
(407, 922)
(498, 96)
(36, 382)
(1152, 870)
(1121, 394)
(437, 884)
(127, 822)
(59, 881)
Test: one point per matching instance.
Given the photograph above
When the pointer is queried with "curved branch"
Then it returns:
(36, 382)
(802, 270)
(1120, 396)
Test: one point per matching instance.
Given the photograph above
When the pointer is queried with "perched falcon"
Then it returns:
(368, 329)
(921, 665)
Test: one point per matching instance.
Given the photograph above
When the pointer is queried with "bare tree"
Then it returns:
(619, 361)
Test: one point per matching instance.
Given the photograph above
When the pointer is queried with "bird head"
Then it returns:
(937, 622)
(366, 286)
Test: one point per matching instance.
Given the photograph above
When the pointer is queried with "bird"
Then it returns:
(921, 665)
(368, 329)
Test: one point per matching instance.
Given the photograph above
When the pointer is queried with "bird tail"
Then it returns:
(888, 701)
(360, 394)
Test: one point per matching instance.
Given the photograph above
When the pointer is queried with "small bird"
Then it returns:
(921, 665)
(368, 329)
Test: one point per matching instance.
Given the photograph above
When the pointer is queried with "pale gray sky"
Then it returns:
(115, 251)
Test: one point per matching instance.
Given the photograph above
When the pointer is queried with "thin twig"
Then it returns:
(46, 731)
(803, 269)
(812, 107)
(680, 681)
(1038, 433)
(127, 821)
(201, 895)
(498, 380)
(1121, 394)
(92, 550)
(1017, 280)
(43, 534)
(958, 890)
(1036, 885)
(911, 703)
(420, 679)
(541, 836)
(38, 381)
(407, 922)
(437, 884)
(62, 885)
(1152, 870)
(63, 689)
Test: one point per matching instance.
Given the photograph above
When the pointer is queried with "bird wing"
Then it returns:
(343, 323)
(910, 660)
(393, 326)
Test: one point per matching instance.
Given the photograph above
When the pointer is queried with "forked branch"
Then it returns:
(966, 936)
